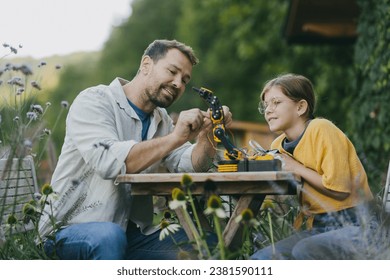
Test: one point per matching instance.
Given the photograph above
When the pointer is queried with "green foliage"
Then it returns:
(150, 20)
(240, 46)
(370, 97)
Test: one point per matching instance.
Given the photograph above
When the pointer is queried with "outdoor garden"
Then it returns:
(240, 45)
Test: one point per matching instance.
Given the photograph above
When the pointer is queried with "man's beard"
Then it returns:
(157, 98)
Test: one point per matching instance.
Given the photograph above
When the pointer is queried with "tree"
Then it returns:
(150, 20)
(369, 116)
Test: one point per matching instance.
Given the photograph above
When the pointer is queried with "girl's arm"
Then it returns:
(311, 177)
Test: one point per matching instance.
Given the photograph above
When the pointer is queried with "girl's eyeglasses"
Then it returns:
(274, 102)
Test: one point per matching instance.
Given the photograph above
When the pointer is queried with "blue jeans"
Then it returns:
(108, 241)
(333, 237)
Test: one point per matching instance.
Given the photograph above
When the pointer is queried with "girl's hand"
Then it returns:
(289, 163)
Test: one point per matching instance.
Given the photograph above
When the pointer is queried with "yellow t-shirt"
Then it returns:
(327, 150)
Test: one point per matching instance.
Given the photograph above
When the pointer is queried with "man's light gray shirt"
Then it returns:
(101, 129)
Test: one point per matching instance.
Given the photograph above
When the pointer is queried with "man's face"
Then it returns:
(167, 78)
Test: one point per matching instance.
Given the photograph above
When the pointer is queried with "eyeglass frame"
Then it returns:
(264, 105)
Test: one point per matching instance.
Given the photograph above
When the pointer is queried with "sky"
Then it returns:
(56, 27)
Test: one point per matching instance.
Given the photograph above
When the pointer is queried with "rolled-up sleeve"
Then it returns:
(180, 159)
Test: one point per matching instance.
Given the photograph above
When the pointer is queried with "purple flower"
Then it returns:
(34, 84)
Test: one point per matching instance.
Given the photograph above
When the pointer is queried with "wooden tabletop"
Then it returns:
(264, 182)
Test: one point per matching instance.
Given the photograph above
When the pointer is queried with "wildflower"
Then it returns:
(17, 81)
(32, 116)
(167, 215)
(16, 119)
(179, 199)
(247, 218)
(8, 66)
(42, 63)
(209, 187)
(19, 91)
(46, 131)
(12, 220)
(48, 104)
(37, 108)
(27, 143)
(186, 182)
(25, 69)
(28, 210)
(37, 196)
(268, 205)
(64, 104)
(214, 205)
(34, 84)
(14, 50)
(167, 228)
(47, 189)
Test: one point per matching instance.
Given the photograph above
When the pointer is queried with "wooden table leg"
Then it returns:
(233, 231)
(183, 222)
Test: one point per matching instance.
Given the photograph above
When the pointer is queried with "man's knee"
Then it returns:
(103, 240)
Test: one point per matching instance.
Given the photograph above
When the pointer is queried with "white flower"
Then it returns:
(247, 218)
(214, 206)
(179, 199)
(218, 211)
(167, 229)
(32, 116)
(174, 204)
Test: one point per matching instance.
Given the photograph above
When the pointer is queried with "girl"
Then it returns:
(335, 182)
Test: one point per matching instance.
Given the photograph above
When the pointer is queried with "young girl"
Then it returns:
(335, 182)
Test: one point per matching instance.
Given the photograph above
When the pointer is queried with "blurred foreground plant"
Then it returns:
(22, 124)
(187, 206)
(23, 132)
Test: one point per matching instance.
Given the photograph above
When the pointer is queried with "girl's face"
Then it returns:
(281, 113)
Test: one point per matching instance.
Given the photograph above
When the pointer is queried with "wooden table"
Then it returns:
(250, 187)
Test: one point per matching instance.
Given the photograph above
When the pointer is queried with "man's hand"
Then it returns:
(189, 124)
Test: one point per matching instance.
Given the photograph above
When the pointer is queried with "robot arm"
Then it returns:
(217, 118)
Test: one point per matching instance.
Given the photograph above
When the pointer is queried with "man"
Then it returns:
(124, 128)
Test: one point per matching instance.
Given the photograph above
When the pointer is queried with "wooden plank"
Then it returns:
(226, 182)
(202, 177)
(233, 233)
(222, 188)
